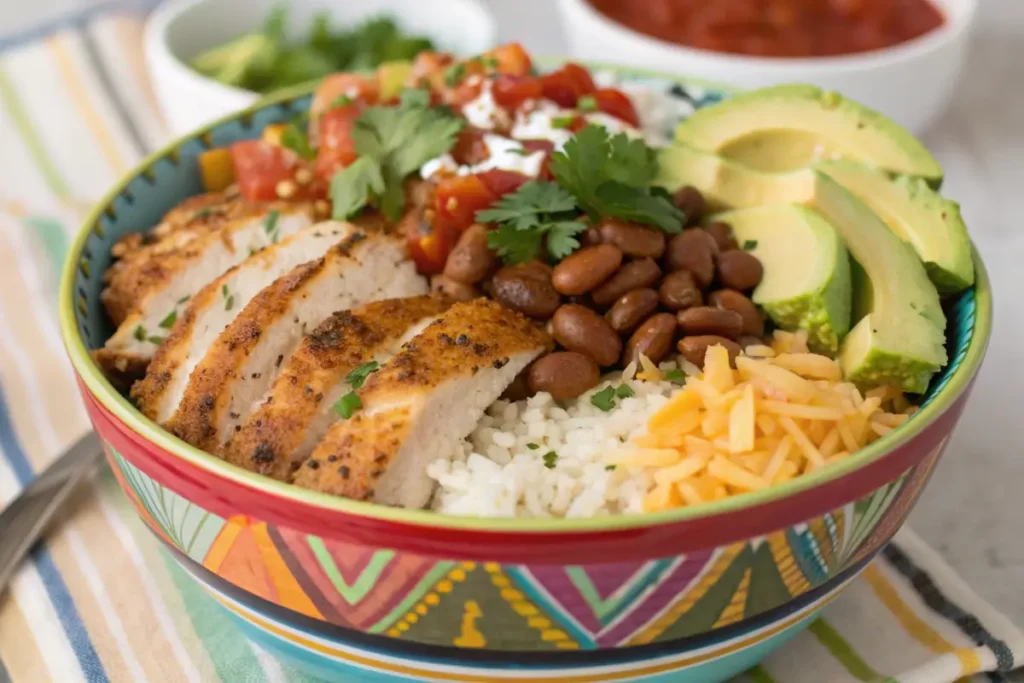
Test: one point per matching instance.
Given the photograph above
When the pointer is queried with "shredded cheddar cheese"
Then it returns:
(782, 412)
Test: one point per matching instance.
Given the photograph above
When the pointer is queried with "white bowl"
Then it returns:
(181, 29)
(911, 82)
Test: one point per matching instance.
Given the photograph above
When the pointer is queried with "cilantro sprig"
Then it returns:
(610, 177)
(539, 213)
(392, 142)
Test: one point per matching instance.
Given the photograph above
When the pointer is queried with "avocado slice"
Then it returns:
(918, 215)
(900, 338)
(806, 283)
(791, 126)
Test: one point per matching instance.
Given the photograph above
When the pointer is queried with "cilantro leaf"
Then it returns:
(168, 322)
(610, 177)
(295, 139)
(675, 376)
(352, 187)
(524, 205)
(358, 375)
(550, 458)
(415, 97)
(532, 446)
(749, 244)
(347, 405)
(604, 399)
(515, 246)
(639, 205)
(392, 142)
(624, 391)
(562, 238)
(140, 333)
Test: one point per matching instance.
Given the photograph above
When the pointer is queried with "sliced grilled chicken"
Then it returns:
(299, 408)
(215, 306)
(151, 289)
(243, 362)
(419, 405)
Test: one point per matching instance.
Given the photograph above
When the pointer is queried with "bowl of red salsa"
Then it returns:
(901, 57)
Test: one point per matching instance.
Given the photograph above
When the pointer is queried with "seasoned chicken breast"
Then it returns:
(211, 310)
(300, 407)
(421, 403)
(243, 362)
(148, 289)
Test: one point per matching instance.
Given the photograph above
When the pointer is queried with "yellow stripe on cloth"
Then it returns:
(917, 627)
(99, 128)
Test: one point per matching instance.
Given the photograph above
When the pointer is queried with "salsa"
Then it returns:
(778, 28)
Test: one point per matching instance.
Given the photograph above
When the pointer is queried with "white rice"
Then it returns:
(500, 469)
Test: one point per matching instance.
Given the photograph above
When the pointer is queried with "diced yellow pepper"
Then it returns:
(217, 169)
(273, 133)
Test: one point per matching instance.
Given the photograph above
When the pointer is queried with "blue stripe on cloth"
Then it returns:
(56, 589)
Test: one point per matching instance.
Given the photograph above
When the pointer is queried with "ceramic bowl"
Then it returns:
(358, 592)
(911, 83)
(180, 29)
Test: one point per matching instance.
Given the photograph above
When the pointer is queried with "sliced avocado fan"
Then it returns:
(900, 339)
(806, 283)
(918, 215)
(791, 126)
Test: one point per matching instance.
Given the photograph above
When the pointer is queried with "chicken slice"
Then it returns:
(243, 362)
(419, 405)
(299, 408)
(152, 288)
(211, 310)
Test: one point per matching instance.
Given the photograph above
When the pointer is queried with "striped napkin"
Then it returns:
(100, 601)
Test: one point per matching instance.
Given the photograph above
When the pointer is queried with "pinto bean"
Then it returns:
(563, 374)
(526, 288)
(632, 239)
(706, 320)
(691, 202)
(692, 250)
(695, 348)
(583, 270)
(631, 309)
(753, 319)
(679, 291)
(459, 291)
(641, 273)
(519, 389)
(722, 234)
(653, 339)
(580, 329)
(471, 259)
(591, 237)
(739, 270)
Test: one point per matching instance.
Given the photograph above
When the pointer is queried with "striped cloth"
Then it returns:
(100, 601)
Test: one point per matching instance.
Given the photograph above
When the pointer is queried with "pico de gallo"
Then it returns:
(432, 143)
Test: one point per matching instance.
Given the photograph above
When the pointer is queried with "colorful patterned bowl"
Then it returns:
(356, 592)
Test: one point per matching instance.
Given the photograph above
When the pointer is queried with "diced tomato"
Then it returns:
(465, 92)
(261, 165)
(546, 146)
(501, 182)
(458, 199)
(429, 245)
(355, 87)
(470, 148)
(337, 149)
(567, 85)
(430, 66)
(615, 103)
(512, 59)
(511, 91)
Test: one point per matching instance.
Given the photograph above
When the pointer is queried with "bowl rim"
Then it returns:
(106, 395)
(952, 28)
(163, 18)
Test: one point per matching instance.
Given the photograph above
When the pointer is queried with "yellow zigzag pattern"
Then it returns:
(431, 599)
(736, 608)
(672, 615)
(789, 570)
(524, 608)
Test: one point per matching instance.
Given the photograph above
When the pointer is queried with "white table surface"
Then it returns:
(973, 510)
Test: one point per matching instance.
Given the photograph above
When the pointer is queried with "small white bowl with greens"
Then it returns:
(208, 58)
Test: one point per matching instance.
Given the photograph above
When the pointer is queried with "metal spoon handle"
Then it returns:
(27, 517)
